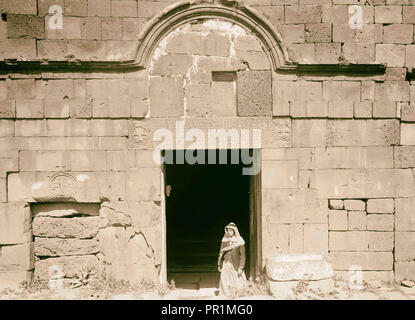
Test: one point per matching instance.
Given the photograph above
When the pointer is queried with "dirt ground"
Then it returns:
(372, 291)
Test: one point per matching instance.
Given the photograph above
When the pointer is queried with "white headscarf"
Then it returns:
(234, 241)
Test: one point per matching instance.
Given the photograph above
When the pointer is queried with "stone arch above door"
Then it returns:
(232, 11)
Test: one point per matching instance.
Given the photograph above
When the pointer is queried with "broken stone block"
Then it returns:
(355, 205)
(61, 210)
(288, 267)
(82, 228)
(254, 94)
(255, 60)
(53, 247)
(144, 214)
(407, 283)
(380, 205)
(70, 267)
(15, 223)
(115, 216)
(283, 290)
(122, 246)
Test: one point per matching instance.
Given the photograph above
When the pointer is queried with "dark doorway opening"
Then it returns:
(200, 200)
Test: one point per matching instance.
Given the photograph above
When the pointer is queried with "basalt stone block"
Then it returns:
(254, 93)
(25, 26)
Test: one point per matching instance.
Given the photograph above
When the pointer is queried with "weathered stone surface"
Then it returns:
(15, 223)
(376, 261)
(143, 184)
(283, 290)
(53, 247)
(121, 246)
(254, 94)
(369, 183)
(404, 271)
(355, 205)
(17, 257)
(166, 97)
(316, 238)
(380, 222)
(404, 156)
(338, 220)
(357, 220)
(279, 174)
(39, 186)
(25, 26)
(291, 206)
(404, 244)
(116, 214)
(408, 134)
(363, 109)
(348, 241)
(172, 65)
(309, 133)
(336, 204)
(223, 103)
(70, 266)
(404, 217)
(13, 279)
(339, 157)
(386, 276)
(83, 228)
(144, 214)
(361, 132)
(381, 241)
(289, 267)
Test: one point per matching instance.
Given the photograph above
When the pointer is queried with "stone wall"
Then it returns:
(338, 149)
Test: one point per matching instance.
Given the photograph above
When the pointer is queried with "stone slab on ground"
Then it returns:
(290, 267)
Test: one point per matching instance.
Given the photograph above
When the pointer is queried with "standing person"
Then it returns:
(231, 262)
